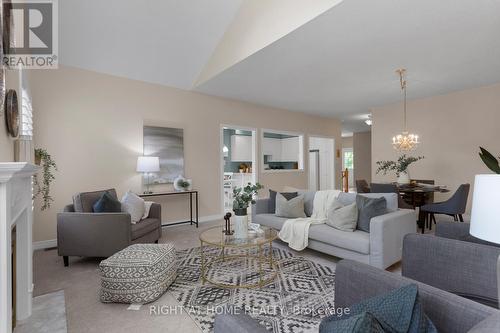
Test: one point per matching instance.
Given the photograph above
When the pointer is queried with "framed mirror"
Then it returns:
(282, 151)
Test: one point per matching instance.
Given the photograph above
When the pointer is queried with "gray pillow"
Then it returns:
(272, 199)
(292, 209)
(308, 201)
(342, 217)
(368, 208)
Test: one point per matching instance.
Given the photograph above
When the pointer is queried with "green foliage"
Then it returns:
(43, 188)
(400, 166)
(243, 196)
(490, 160)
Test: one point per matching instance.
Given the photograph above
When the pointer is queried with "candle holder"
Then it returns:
(227, 231)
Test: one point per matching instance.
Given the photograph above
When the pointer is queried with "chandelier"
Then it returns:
(404, 141)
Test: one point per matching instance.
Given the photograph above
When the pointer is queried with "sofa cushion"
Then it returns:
(272, 199)
(358, 241)
(144, 227)
(270, 220)
(369, 208)
(83, 202)
(391, 198)
(360, 323)
(292, 209)
(107, 204)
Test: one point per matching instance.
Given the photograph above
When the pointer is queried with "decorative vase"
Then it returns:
(178, 184)
(404, 178)
(240, 223)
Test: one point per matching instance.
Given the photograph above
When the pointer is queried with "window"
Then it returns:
(348, 159)
(26, 130)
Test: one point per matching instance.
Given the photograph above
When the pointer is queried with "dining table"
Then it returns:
(416, 195)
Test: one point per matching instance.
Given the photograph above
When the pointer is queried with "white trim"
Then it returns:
(46, 244)
(51, 243)
(255, 164)
(202, 219)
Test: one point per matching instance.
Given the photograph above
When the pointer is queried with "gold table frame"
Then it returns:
(258, 242)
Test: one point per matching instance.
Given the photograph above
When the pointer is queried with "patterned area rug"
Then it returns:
(301, 294)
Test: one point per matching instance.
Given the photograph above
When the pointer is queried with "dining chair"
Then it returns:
(389, 188)
(454, 206)
(362, 186)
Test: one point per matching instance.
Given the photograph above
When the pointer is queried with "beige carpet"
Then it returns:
(80, 282)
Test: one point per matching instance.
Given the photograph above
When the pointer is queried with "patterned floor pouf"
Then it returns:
(139, 274)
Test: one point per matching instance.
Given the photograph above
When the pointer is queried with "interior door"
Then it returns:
(314, 170)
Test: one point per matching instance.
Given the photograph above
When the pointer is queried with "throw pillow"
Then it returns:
(292, 209)
(147, 208)
(134, 205)
(396, 311)
(362, 323)
(272, 199)
(368, 208)
(107, 204)
(308, 201)
(342, 217)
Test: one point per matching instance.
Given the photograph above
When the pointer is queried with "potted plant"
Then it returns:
(43, 159)
(242, 198)
(490, 160)
(400, 167)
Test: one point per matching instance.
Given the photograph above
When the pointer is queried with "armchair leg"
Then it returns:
(461, 218)
(66, 261)
(156, 241)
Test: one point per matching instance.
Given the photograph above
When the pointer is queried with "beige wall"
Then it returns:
(451, 127)
(92, 125)
(362, 148)
(6, 141)
(347, 142)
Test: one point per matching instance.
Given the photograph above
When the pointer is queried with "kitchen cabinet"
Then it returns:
(241, 148)
(290, 148)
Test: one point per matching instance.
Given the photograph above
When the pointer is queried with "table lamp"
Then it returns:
(147, 165)
(485, 218)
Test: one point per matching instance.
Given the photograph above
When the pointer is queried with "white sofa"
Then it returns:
(381, 247)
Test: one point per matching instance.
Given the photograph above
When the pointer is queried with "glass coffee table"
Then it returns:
(256, 250)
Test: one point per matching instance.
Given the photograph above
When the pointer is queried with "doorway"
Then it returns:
(321, 163)
(348, 163)
(238, 161)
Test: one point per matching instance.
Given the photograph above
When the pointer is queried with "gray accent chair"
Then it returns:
(454, 206)
(381, 247)
(83, 233)
(355, 282)
(452, 261)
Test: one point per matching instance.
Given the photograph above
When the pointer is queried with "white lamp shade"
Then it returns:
(148, 164)
(485, 218)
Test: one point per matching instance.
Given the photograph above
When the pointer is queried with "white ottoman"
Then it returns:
(139, 274)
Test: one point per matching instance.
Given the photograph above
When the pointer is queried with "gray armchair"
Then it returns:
(80, 232)
(453, 262)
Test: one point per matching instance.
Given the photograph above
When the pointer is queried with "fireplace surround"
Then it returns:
(16, 211)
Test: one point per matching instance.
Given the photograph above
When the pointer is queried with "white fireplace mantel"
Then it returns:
(16, 210)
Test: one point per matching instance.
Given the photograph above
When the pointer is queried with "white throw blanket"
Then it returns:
(295, 232)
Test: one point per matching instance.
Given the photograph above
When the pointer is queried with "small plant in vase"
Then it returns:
(400, 167)
(242, 198)
(43, 159)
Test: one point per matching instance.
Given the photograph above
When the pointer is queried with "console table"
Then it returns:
(190, 221)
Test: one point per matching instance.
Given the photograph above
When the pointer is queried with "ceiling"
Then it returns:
(159, 41)
(339, 64)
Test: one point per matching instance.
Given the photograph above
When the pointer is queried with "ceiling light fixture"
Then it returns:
(369, 121)
(404, 141)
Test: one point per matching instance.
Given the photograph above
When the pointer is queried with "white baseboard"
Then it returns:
(202, 219)
(46, 244)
